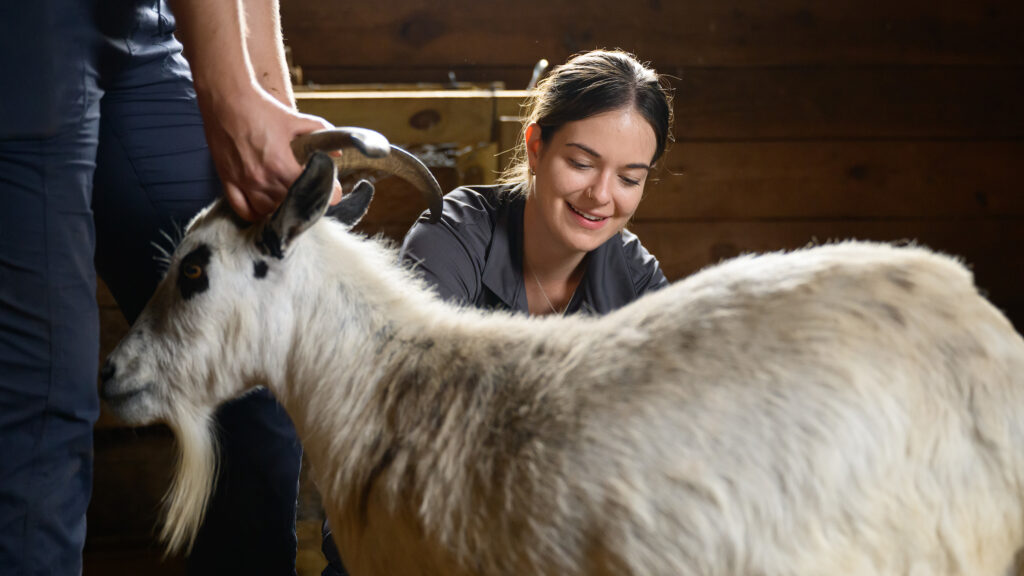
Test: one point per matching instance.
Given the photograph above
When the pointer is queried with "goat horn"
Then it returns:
(376, 153)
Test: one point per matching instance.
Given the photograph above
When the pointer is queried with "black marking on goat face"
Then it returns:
(270, 243)
(260, 269)
(239, 222)
(193, 275)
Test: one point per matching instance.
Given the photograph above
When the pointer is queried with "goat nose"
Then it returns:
(108, 371)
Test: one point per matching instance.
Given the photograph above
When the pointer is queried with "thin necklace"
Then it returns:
(548, 300)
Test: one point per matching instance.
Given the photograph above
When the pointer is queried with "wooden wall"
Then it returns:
(795, 121)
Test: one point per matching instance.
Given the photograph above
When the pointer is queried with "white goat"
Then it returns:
(847, 409)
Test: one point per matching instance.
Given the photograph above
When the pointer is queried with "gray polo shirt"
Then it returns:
(474, 254)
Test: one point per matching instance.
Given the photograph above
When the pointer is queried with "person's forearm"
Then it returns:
(213, 35)
(265, 47)
(244, 95)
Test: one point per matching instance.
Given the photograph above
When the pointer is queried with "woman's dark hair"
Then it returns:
(589, 84)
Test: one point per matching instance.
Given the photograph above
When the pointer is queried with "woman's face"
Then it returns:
(590, 176)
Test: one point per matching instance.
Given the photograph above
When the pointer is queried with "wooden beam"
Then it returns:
(708, 181)
(732, 33)
(417, 117)
(849, 103)
(733, 104)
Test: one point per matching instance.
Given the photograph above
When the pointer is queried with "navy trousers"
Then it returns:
(102, 152)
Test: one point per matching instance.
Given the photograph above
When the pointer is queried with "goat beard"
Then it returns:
(195, 474)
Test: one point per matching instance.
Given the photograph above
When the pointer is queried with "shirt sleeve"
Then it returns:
(643, 267)
(450, 254)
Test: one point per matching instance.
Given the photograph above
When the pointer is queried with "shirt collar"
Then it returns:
(606, 284)
(503, 270)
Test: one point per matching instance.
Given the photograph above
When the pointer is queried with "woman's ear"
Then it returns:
(534, 144)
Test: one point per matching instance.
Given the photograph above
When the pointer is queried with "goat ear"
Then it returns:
(305, 204)
(353, 205)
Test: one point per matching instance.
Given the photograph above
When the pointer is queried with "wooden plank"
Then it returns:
(507, 77)
(736, 105)
(988, 246)
(836, 180)
(848, 103)
(416, 117)
(419, 33)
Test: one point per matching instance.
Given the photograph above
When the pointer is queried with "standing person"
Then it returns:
(552, 238)
(103, 150)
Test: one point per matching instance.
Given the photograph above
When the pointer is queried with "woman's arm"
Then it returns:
(644, 269)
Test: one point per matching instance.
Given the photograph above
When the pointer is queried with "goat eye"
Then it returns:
(192, 279)
(192, 271)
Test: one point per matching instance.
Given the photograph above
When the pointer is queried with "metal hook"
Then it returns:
(538, 71)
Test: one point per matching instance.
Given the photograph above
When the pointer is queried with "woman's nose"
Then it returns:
(601, 189)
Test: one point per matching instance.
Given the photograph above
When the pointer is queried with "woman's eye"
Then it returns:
(192, 271)
(630, 181)
(577, 164)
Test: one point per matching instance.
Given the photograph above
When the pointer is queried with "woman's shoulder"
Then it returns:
(475, 203)
(468, 212)
(631, 244)
(452, 253)
(644, 269)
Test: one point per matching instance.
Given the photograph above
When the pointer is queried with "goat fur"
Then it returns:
(846, 409)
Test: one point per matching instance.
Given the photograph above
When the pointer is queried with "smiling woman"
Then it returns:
(589, 178)
(552, 238)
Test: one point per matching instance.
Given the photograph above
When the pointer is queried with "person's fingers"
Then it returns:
(260, 176)
(284, 176)
(336, 195)
(239, 203)
(306, 123)
(320, 123)
(264, 202)
(253, 205)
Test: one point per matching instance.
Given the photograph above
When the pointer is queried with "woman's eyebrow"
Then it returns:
(592, 152)
(585, 148)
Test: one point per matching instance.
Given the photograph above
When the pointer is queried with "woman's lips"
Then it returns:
(588, 221)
